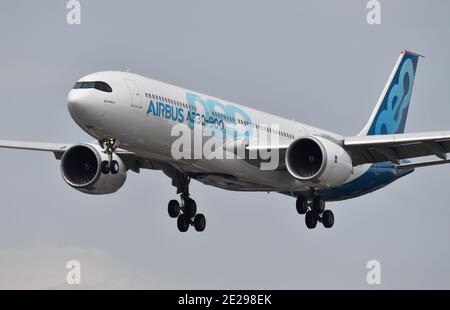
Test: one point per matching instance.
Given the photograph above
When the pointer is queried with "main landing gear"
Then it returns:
(315, 212)
(110, 165)
(186, 212)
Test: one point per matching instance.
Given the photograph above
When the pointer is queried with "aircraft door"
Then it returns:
(135, 98)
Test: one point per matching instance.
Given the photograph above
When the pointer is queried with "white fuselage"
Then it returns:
(125, 113)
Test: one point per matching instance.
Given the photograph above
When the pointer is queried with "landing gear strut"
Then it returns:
(186, 211)
(315, 212)
(109, 145)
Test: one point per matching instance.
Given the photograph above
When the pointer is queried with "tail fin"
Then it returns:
(389, 116)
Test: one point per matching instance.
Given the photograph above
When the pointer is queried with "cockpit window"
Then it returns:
(97, 85)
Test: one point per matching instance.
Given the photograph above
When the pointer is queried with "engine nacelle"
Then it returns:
(81, 169)
(319, 161)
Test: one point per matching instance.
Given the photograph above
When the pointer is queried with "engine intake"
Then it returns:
(80, 166)
(319, 161)
(308, 159)
(81, 169)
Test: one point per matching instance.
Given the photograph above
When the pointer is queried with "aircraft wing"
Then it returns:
(382, 148)
(259, 154)
(57, 148)
(362, 149)
(395, 147)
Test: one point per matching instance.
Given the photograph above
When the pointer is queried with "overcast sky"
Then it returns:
(316, 61)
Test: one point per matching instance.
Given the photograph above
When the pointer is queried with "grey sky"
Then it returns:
(317, 61)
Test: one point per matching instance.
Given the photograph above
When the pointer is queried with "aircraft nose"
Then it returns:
(78, 103)
(74, 99)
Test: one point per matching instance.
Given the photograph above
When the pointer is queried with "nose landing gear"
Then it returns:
(109, 145)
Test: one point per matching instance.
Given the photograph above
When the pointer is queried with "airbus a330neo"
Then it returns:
(132, 119)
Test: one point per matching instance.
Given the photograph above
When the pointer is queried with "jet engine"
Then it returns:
(318, 161)
(86, 168)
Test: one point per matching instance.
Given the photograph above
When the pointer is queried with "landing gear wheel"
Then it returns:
(109, 145)
(187, 212)
(311, 219)
(199, 222)
(114, 167)
(183, 223)
(302, 205)
(328, 219)
(104, 167)
(190, 207)
(318, 205)
(174, 208)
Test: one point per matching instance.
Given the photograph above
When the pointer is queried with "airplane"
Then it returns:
(132, 119)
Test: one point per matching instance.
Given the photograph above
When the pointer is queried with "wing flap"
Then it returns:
(422, 164)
